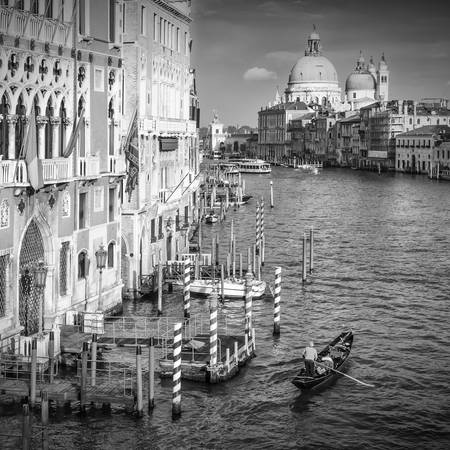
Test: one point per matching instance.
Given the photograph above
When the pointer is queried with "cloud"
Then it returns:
(259, 74)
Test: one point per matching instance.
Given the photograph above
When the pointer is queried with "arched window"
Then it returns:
(20, 125)
(111, 127)
(4, 128)
(62, 129)
(49, 130)
(83, 265)
(111, 247)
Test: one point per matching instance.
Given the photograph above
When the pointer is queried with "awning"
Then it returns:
(168, 144)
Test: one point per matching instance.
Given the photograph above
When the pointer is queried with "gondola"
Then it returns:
(339, 349)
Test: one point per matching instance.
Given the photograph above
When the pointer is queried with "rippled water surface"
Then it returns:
(381, 268)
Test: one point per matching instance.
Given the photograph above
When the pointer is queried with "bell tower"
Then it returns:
(383, 80)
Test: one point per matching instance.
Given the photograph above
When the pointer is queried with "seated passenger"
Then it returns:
(327, 362)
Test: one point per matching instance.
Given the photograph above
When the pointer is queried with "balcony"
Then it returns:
(116, 165)
(25, 24)
(13, 172)
(380, 154)
(89, 167)
(57, 170)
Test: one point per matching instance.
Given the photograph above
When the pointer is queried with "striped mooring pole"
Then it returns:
(248, 302)
(187, 288)
(258, 227)
(276, 302)
(213, 328)
(176, 393)
(261, 231)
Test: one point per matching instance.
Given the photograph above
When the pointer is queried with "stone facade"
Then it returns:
(56, 76)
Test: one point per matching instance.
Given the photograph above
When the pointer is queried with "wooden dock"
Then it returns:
(234, 352)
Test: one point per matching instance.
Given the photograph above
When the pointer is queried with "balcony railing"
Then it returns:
(13, 172)
(89, 166)
(57, 169)
(25, 24)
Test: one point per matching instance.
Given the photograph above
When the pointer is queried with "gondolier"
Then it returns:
(310, 355)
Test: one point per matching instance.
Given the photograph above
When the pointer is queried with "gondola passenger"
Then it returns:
(310, 355)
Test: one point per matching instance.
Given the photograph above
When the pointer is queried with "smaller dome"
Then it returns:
(359, 82)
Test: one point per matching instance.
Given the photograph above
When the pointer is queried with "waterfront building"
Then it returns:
(274, 135)
(381, 122)
(60, 164)
(313, 79)
(161, 116)
(216, 137)
(345, 143)
(237, 144)
(422, 149)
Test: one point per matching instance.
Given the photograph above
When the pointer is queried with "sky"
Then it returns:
(243, 49)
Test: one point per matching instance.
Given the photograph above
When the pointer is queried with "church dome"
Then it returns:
(360, 81)
(313, 69)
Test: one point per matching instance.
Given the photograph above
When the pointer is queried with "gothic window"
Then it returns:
(82, 136)
(112, 204)
(82, 211)
(111, 127)
(62, 128)
(66, 204)
(4, 263)
(111, 247)
(48, 12)
(34, 6)
(49, 130)
(83, 265)
(4, 127)
(4, 214)
(20, 125)
(63, 268)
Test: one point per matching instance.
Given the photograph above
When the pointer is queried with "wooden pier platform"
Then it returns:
(195, 358)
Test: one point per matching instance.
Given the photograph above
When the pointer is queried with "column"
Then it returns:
(56, 123)
(41, 136)
(12, 120)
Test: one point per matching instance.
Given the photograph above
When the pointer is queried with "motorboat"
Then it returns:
(232, 287)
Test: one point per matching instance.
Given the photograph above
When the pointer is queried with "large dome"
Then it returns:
(360, 82)
(313, 69)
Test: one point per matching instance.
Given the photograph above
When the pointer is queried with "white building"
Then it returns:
(313, 79)
(215, 140)
(366, 84)
(161, 112)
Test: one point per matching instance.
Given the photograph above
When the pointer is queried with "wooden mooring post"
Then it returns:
(151, 374)
(84, 376)
(139, 396)
(304, 259)
(44, 419)
(248, 302)
(93, 359)
(160, 285)
(311, 250)
(26, 428)
(271, 194)
(33, 373)
(51, 356)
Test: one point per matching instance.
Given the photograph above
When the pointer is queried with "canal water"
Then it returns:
(382, 268)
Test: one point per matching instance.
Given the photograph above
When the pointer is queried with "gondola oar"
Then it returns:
(344, 374)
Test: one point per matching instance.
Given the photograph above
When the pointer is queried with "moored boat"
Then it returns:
(233, 288)
(253, 166)
(339, 349)
(211, 218)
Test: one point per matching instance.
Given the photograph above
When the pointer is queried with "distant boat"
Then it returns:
(233, 287)
(252, 166)
(211, 218)
(339, 349)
